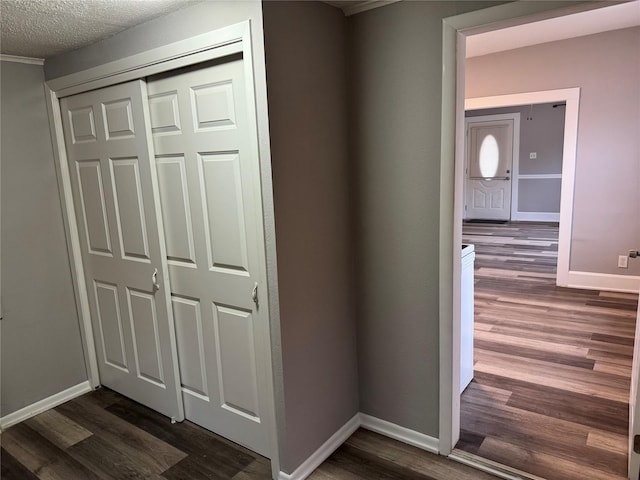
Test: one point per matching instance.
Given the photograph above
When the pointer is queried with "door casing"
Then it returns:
(633, 464)
(455, 31)
(208, 46)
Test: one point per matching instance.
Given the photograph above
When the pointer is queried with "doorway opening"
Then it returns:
(564, 234)
(552, 364)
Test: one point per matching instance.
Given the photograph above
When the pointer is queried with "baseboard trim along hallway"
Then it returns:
(44, 405)
(402, 434)
(367, 422)
(604, 281)
(326, 449)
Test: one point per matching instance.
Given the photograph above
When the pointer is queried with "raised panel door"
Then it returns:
(113, 186)
(210, 197)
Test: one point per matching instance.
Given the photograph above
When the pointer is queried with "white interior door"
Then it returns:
(634, 401)
(208, 173)
(489, 166)
(114, 191)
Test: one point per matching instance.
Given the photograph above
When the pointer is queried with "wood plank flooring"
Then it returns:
(550, 396)
(104, 436)
(369, 456)
(552, 365)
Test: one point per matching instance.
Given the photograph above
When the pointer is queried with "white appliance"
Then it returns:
(466, 316)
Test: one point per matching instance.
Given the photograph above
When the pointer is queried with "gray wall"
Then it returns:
(396, 94)
(539, 195)
(41, 345)
(606, 67)
(306, 57)
(543, 133)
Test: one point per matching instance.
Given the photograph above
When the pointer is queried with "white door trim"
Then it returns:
(211, 45)
(572, 98)
(515, 164)
(455, 31)
(72, 236)
(206, 46)
(633, 462)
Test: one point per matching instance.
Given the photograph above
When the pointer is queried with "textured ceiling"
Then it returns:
(43, 28)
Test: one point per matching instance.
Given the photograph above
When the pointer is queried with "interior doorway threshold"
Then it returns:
(489, 466)
(486, 220)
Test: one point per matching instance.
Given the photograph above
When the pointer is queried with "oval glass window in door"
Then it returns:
(489, 157)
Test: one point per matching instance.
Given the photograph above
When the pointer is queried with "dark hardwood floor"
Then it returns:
(104, 436)
(369, 456)
(550, 396)
(552, 365)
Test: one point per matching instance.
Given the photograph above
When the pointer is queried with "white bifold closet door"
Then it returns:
(115, 196)
(208, 170)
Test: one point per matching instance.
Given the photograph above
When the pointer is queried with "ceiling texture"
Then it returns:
(44, 28)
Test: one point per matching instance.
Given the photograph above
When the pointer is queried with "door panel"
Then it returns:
(190, 339)
(176, 211)
(82, 125)
(110, 325)
(209, 190)
(94, 210)
(163, 109)
(213, 106)
(129, 209)
(236, 361)
(489, 164)
(113, 185)
(491, 146)
(224, 211)
(118, 119)
(144, 327)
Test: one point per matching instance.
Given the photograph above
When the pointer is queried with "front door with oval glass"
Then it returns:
(490, 151)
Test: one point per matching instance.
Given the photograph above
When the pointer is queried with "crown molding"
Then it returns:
(352, 7)
(18, 59)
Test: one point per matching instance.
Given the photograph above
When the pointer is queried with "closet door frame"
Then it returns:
(201, 48)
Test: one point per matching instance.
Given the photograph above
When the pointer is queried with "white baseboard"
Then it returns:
(44, 404)
(535, 217)
(603, 281)
(402, 434)
(374, 424)
(326, 449)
